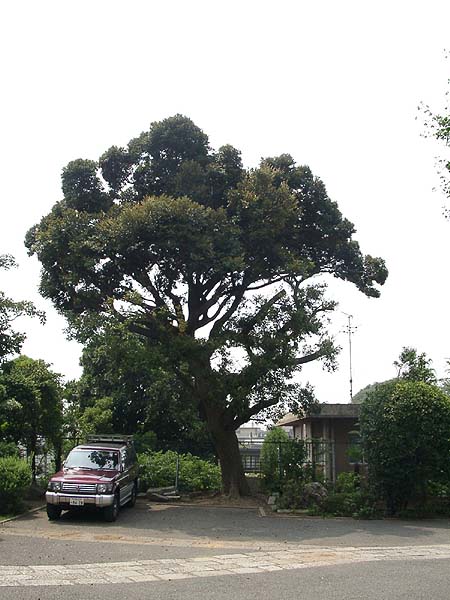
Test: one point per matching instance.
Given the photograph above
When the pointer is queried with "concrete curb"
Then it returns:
(27, 512)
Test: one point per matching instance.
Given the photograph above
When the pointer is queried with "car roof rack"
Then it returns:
(110, 437)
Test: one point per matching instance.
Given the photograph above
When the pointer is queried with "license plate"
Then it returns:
(76, 501)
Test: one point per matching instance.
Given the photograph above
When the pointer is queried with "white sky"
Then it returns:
(336, 84)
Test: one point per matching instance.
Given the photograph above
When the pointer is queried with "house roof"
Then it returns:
(326, 411)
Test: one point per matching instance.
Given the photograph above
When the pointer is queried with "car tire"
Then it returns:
(53, 512)
(110, 513)
(132, 501)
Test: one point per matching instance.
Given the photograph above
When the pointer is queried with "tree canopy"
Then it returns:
(216, 265)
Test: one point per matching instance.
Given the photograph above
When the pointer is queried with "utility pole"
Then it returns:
(350, 330)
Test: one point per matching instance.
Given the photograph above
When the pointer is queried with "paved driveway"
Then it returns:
(157, 547)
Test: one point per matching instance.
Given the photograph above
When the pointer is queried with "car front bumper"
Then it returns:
(62, 498)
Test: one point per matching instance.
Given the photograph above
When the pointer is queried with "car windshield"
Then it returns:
(92, 459)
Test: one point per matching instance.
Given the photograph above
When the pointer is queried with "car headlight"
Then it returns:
(54, 486)
(102, 488)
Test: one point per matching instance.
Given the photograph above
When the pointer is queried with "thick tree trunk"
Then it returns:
(58, 453)
(234, 483)
(220, 425)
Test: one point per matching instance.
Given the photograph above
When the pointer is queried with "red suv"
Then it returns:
(101, 474)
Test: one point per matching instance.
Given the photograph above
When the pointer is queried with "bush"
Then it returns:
(347, 482)
(346, 499)
(291, 495)
(405, 431)
(158, 469)
(357, 504)
(15, 478)
(298, 494)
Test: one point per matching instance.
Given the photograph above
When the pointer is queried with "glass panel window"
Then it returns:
(92, 459)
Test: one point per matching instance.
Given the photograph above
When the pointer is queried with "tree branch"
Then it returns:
(309, 357)
(262, 312)
(267, 283)
(253, 410)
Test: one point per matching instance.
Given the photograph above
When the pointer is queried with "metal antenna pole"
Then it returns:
(350, 354)
(350, 330)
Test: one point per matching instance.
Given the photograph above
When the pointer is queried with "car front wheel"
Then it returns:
(53, 512)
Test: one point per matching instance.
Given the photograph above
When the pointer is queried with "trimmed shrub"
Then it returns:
(15, 478)
(405, 432)
(158, 469)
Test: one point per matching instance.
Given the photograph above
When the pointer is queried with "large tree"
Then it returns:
(214, 264)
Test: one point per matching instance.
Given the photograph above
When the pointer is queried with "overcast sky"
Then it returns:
(335, 84)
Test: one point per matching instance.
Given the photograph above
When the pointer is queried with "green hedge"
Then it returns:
(158, 469)
(15, 477)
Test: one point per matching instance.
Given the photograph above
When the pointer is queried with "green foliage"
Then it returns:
(98, 418)
(415, 367)
(270, 458)
(411, 366)
(347, 498)
(8, 449)
(282, 459)
(355, 503)
(362, 394)
(145, 442)
(158, 469)
(34, 405)
(174, 247)
(347, 482)
(405, 432)
(291, 495)
(15, 477)
(10, 340)
(145, 393)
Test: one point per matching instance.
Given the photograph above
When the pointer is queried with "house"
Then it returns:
(331, 435)
(250, 438)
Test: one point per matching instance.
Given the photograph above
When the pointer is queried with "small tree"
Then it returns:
(34, 395)
(405, 429)
(413, 366)
(282, 459)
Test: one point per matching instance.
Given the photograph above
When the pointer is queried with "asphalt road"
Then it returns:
(160, 551)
